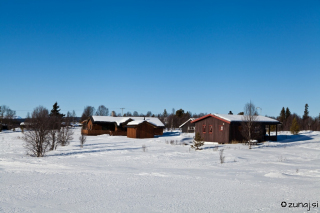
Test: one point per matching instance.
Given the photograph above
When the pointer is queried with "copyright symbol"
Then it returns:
(283, 204)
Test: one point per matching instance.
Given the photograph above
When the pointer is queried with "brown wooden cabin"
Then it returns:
(223, 128)
(142, 129)
(188, 127)
(97, 125)
(94, 127)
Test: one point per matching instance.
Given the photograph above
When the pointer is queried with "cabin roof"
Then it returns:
(190, 119)
(153, 120)
(137, 122)
(237, 118)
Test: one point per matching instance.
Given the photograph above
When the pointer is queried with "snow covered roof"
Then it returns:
(137, 122)
(153, 120)
(238, 118)
(190, 119)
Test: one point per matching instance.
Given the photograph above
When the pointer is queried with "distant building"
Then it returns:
(135, 127)
(188, 127)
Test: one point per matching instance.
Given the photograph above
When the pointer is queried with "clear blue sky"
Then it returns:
(201, 56)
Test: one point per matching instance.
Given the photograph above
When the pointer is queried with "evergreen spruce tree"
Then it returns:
(197, 142)
(288, 113)
(165, 114)
(179, 113)
(55, 112)
(294, 129)
(282, 115)
(306, 112)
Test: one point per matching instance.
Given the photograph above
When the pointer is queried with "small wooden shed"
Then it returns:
(140, 129)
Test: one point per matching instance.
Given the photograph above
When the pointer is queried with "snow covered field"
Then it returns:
(114, 174)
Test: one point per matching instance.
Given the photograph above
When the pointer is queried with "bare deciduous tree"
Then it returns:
(250, 127)
(221, 156)
(37, 136)
(53, 123)
(7, 116)
(87, 112)
(102, 111)
(65, 136)
(135, 114)
(73, 116)
(82, 140)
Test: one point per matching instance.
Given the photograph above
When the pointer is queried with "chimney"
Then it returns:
(230, 113)
(113, 114)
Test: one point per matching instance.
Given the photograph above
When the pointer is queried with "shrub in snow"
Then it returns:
(37, 138)
(82, 140)
(197, 142)
(65, 136)
(221, 156)
(294, 129)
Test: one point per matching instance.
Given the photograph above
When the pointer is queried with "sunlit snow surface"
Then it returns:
(114, 174)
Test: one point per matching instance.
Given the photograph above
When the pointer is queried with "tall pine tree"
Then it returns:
(282, 115)
(55, 112)
(306, 112)
(288, 113)
(165, 114)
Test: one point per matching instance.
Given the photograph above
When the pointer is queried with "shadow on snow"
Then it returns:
(92, 151)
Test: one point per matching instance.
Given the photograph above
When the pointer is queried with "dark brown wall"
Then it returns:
(186, 126)
(217, 135)
(143, 130)
(158, 131)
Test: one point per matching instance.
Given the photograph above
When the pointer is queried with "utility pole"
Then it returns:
(122, 110)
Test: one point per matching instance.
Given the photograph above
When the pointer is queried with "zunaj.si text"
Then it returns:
(300, 205)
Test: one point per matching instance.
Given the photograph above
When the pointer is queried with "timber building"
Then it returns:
(187, 127)
(224, 128)
(133, 127)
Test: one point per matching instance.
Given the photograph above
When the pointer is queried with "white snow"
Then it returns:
(137, 122)
(114, 174)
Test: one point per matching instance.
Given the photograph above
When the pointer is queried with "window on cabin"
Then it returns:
(210, 129)
(204, 128)
(190, 127)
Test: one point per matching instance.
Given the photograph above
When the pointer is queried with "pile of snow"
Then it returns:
(115, 174)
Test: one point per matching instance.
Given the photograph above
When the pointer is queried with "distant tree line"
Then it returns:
(7, 120)
(293, 122)
(171, 120)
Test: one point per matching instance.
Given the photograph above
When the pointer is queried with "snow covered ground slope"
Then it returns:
(114, 174)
